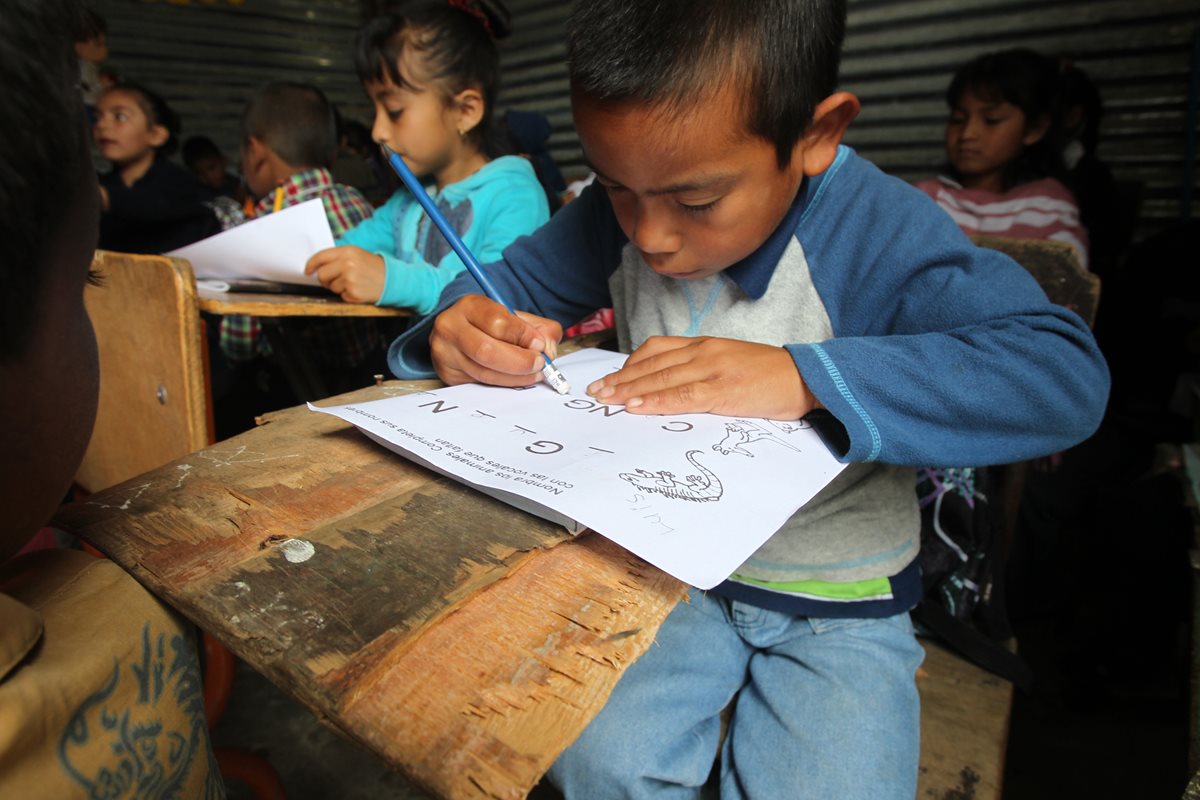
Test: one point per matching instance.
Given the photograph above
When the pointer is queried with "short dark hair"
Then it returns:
(92, 26)
(157, 111)
(1028, 80)
(295, 120)
(783, 54)
(196, 148)
(41, 157)
(455, 50)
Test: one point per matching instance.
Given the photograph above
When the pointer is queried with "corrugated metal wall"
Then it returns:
(900, 55)
(206, 56)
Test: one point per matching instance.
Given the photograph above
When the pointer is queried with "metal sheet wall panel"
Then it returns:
(206, 57)
(900, 55)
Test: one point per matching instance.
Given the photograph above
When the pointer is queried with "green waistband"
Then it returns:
(856, 590)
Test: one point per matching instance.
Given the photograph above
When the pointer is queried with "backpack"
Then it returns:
(962, 560)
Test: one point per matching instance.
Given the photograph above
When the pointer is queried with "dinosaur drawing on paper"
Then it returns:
(701, 488)
(742, 432)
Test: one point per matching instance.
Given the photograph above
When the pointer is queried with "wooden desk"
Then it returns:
(266, 304)
(271, 309)
(465, 642)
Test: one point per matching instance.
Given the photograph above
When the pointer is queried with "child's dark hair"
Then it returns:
(197, 148)
(454, 48)
(356, 135)
(1028, 80)
(782, 54)
(92, 26)
(1076, 90)
(296, 121)
(41, 159)
(157, 113)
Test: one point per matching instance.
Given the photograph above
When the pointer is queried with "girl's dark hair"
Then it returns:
(783, 56)
(1028, 80)
(157, 112)
(449, 45)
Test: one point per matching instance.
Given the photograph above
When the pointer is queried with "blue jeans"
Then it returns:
(822, 708)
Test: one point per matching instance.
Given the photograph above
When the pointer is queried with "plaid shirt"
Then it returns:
(333, 342)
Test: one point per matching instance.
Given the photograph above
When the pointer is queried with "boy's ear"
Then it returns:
(253, 150)
(159, 135)
(818, 147)
(1036, 131)
(469, 105)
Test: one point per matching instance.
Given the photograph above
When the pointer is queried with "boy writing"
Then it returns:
(759, 268)
(99, 683)
(289, 141)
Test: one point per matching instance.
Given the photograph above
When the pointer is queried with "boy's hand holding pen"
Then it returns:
(495, 328)
(478, 340)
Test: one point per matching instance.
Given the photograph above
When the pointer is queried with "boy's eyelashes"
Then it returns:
(698, 209)
(691, 208)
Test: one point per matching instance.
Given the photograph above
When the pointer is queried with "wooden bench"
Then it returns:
(964, 727)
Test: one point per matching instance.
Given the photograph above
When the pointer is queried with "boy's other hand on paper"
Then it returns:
(353, 273)
(686, 375)
(477, 340)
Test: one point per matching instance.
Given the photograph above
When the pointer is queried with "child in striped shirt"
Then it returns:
(1002, 158)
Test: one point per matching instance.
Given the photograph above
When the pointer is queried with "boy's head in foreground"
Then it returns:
(702, 119)
(49, 373)
(286, 128)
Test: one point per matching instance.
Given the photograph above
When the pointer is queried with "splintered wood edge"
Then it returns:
(481, 704)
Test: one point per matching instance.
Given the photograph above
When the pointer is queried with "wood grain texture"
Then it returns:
(290, 305)
(1057, 269)
(464, 641)
(152, 406)
(964, 728)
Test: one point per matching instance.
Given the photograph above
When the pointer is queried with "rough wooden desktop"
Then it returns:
(465, 642)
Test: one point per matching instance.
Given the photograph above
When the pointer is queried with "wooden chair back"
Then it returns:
(1057, 269)
(153, 396)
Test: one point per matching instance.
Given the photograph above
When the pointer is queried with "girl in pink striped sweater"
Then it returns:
(1002, 160)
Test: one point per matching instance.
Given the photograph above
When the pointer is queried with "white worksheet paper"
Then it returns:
(693, 494)
(274, 247)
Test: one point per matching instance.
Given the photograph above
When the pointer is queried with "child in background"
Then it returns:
(528, 134)
(211, 170)
(288, 143)
(758, 268)
(91, 48)
(358, 163)
(432, 74)
(99, 682)
(222, 191)
(1003, 153)
(1108, 213)
(149, 204)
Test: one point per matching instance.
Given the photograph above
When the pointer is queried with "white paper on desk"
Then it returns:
(693, 494)
(274, 247)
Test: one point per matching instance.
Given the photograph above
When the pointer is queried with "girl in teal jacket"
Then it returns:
(432, 75)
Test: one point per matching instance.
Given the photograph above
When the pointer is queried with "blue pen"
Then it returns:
(553, 374)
